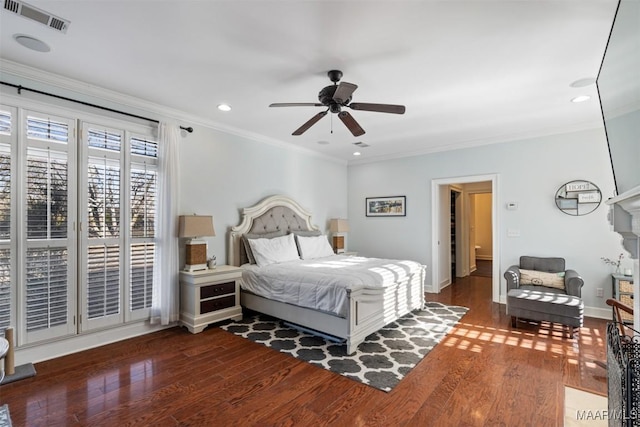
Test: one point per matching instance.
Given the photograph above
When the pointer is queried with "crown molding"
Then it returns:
(499, 139)
(50, 79)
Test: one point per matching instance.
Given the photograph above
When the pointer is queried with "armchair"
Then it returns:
(550, 292)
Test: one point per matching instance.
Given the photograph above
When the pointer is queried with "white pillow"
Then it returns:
(271, 251)
(314, 247)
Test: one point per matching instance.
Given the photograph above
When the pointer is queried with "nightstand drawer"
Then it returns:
(217, 304)
(217, 290)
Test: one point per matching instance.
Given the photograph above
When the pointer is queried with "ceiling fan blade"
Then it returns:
(351, 123)
(380, 108)
(302, 129)
(296, 104)
(344, 91)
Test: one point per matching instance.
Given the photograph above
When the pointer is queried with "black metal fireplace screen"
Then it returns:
(623, 377)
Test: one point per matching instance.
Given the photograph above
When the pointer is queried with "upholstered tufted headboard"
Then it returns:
(271, 214)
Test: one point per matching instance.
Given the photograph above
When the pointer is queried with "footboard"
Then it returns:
(371, 309)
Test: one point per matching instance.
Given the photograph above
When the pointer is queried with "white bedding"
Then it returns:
(322, 283)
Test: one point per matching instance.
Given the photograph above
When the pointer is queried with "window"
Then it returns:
(48, 242)
(117, 247)
(82, 257)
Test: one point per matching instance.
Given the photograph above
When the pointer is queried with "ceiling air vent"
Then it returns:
(30, 12)
(361, 144)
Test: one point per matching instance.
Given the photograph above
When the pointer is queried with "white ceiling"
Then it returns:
(469, 72)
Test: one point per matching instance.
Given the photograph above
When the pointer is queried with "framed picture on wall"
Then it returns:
(386, 206)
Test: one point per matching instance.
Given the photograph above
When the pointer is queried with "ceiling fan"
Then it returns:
(335, 97)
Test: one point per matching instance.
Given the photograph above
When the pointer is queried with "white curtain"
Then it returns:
(164, 307)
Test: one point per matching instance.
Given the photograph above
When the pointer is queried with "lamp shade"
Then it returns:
(196, 226)
(338, 225)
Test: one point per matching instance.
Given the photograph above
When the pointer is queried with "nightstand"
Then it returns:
(209, 296)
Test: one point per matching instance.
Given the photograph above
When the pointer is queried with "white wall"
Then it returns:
(223, 173)
(530, 172)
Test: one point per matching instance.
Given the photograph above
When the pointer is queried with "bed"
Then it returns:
(366, 293)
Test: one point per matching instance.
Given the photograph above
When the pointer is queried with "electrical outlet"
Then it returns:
(600, 292)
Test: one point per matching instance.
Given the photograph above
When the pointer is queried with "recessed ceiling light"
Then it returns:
(224, 107)
(588, 81)
(581, 98)
(31, 43)
(356, 153)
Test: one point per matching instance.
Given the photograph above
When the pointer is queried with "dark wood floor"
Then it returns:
(483, 374)
(483, 268)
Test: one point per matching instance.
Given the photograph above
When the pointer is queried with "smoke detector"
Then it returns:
(25, 10)
(31, 43)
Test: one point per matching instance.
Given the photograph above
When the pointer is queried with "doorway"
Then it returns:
(455, 235)
(455, 231)
(480, 241)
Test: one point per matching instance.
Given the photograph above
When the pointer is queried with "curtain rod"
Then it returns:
(21, 88)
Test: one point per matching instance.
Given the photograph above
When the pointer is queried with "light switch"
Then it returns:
(512, 206)
(511, 232)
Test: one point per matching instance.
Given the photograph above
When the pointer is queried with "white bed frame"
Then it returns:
(368, 309)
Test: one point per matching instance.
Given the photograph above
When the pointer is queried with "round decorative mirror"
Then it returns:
(578, 197)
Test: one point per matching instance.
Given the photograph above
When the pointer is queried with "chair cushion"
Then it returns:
(552, 303)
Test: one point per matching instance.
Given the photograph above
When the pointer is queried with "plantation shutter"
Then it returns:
(5, 288)
(47, 194)
(102, 254)
(143, 191)
(7, 143)
(142, 255)
(49, 278)
(103, 284)
(47, 288)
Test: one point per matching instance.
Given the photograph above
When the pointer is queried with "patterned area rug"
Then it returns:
(381, 361)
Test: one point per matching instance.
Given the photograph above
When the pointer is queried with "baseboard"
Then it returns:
(598, 313)
(484, 257)
(51, 350)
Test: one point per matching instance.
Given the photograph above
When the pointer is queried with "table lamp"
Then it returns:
(338, 227)
(192, 227)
